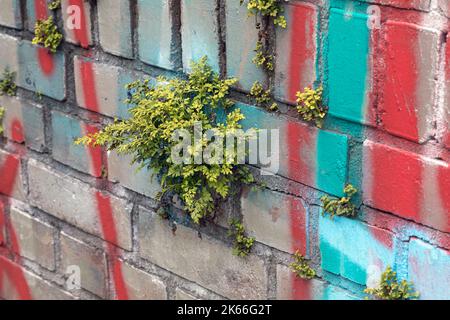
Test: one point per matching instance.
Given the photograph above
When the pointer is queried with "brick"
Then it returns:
(156, 34)
(200, 32)
(38, 288)
(354, 250)
(296, 51)
(408, 90)
(276, 219)
(11, 183)
(213, 267)
(423, 5)
(290, 287)
(41, 71)
(350, 66)
(141, 181)
(408, 185)
(65, 130)
(35, 238)
(428, 270)
(76, 203)
(36, 10)
(143, 286)
(314, 157)
(23, 121)
(183, 295)
(9, 57)
(11, 16)
(83, 35)
(91, 261)
(115, 27)
(108, 94)
(241, 38)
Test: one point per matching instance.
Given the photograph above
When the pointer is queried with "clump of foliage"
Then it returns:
(301, 268)
(170, 106)
(2, 112)
(268, 8)
(310, 107)
(262, 59)
(47, 34)
(241, 243)
(54, 5)
(263, 97)
(391, 289)
(7, 84)
(342, 207)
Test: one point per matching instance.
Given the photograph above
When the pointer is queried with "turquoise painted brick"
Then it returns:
(65, 130)
(241, 38)
(155, 33)
(354, 250)
(200, 32)
(42, 72)
(10, 14)
(429, 270)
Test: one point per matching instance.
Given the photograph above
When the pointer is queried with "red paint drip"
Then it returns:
(301, 288)
(298, 225)
(303, 48)
(400, 84)
(17, 132)
(81, 34)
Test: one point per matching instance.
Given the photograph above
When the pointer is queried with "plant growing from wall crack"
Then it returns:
(241, 243)
(2, 112)
(47, 34)
(391, 289)
(7, 84)
(301, 268)
(342, 207)
(54, 5)
(310, 106)
(172, 105)
(263, 97)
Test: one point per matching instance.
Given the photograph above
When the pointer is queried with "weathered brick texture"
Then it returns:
(65, 207)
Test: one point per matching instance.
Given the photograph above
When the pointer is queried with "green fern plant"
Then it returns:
(310, 107)
(301, 268)
(7, 84)
(391, 289)
(47, 34)
(342, 207)
(178, 104)
(242, 244)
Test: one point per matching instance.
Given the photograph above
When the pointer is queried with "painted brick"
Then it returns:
(91, 261)
(276, 219)
(36, 10)
(11, 183)
(9, 57)
(141, 181)
(31, 118)
(213, 267)
(74, 202)
(83, 35)
(143, 286)
(411, 4)
(10, 15)
(350, 66)
(241, 38)
(65, 130)
(41, 71)
(39, 289)
(296, 53)
(406, 184)
(354, 250)
(200, 32)
(408, 90)
(155, 33)
(183, 295)
(290, 287)
(35, 238)
(108, 94)
(429, 271)
(115, 27)
(308, 155)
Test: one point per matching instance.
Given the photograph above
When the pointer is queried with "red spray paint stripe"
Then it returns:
(302, 48)
(89, 90)
(396, 185)
(444, 193)
(447, 72)
(400, 84)
(17, 132)
(301, 288)
(81, 34)
(299, 143)
(9, 172)
(45, 58)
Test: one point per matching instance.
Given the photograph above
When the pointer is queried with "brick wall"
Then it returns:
(387, 133)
